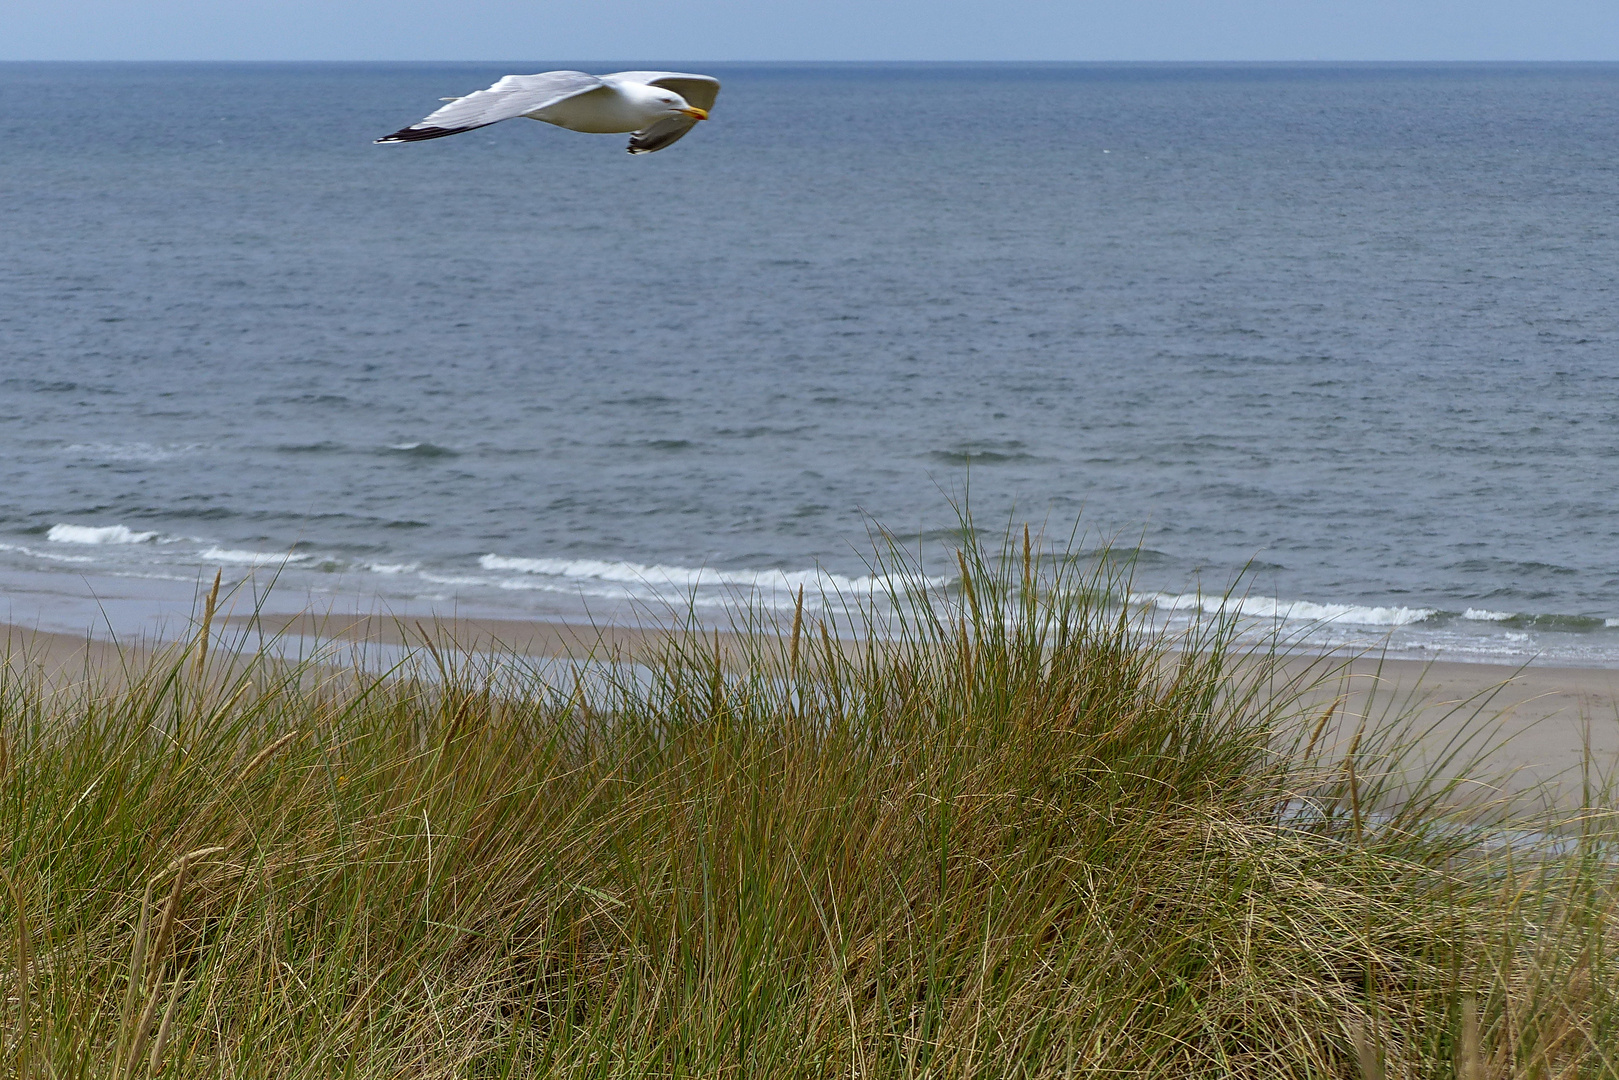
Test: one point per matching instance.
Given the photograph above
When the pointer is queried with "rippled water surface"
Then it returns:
(1353, 327)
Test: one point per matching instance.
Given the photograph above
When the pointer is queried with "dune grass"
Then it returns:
(1020, 834)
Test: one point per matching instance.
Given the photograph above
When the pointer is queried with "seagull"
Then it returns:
(658, 106)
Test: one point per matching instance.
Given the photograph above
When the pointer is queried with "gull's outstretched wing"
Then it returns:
(512, 96)
(698, 90)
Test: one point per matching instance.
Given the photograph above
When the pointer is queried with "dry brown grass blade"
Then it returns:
(798, 630)
(1320, 726)
(208, 609)
(1028, 565)
(1366, 1055)
(193, 857)
(143, 1027)
(25, 1034)
(166, 928)
(164, 1031)
(432, 649)
(137, 979)
(1354, 783)
(967, 587)
(264, 755)
(1470, 1054)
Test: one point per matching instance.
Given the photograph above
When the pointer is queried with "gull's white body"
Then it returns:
(617, 108)
(658, 106)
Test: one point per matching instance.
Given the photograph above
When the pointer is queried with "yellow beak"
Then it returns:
(695, 113)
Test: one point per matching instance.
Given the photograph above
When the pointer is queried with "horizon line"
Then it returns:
(1313, 61)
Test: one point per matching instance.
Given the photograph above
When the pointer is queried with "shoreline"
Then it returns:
(1524, 732)
(1546, 689)
(109, 604)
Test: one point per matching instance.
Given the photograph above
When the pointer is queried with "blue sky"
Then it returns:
(810, 30)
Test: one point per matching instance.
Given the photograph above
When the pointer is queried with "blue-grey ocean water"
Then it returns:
(1355, 328)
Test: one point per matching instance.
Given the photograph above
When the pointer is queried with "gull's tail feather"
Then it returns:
(418, 134)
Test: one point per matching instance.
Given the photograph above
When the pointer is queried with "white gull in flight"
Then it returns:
(658, 106)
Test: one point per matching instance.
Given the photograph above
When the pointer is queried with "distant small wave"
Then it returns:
(981, 457)
(422, 450)
(130, 451)
(239, 557)
(1481, 615)
(48, 556)
(97, 534)
(324, 447)
(1266, 607)
(392, 568)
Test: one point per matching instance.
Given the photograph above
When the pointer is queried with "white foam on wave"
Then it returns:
(440, 579)
(238, 557)
(1268, 607)
(97, 534)
(46, 554)
(1481, 615)
(391, 568)
(685, 579)
(131, 451)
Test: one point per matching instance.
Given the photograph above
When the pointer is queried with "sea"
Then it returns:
(1335, 346)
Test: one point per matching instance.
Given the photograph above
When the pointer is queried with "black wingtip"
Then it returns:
(418, 134)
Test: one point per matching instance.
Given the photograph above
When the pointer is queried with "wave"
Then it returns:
(146, 452)
(239, 557)
(391, 568)
(686, 579)
(1267, 607)
(97, 534)
(48, 556)
(421, 450)
(1481, 615)
(440, 579)
(323, 447)
(1574, 624)
(981, 457)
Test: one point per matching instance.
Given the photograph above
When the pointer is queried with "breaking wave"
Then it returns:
(239, 557)
(630, 578)
(1267, 607)
(97, 534)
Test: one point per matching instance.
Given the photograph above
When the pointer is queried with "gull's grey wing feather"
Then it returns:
(698, 90)
(661, 134)
(512, 96)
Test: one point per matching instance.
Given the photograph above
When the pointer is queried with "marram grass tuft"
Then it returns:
(1008, 829)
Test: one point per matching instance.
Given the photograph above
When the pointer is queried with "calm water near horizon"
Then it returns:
(1355, 328)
